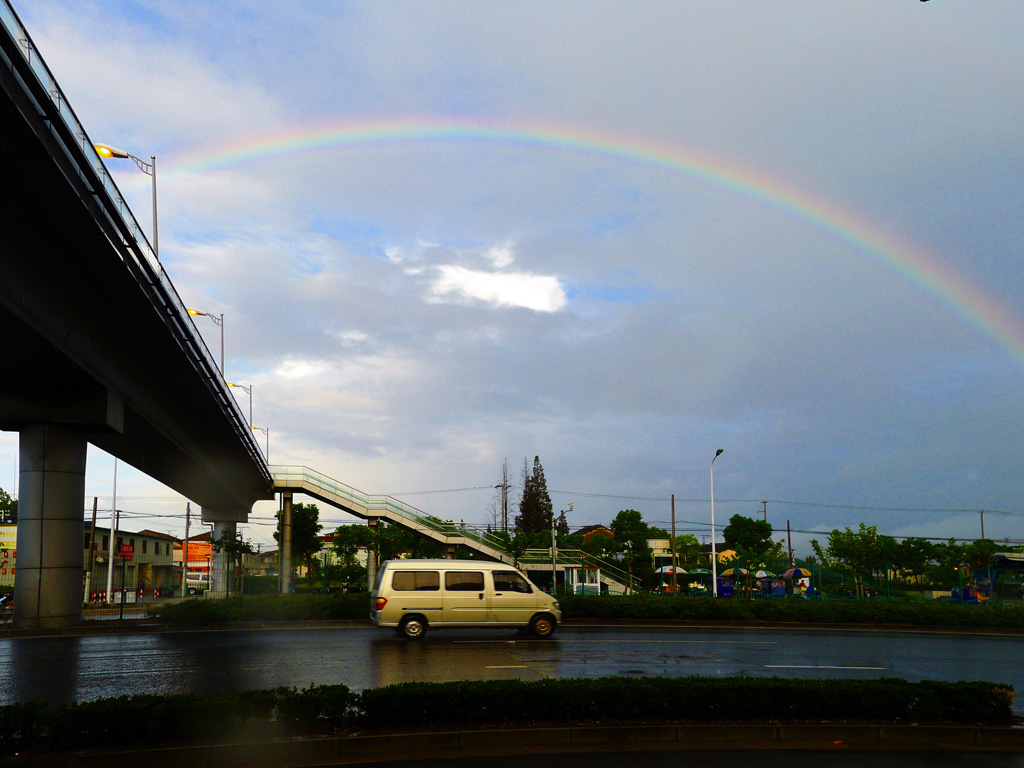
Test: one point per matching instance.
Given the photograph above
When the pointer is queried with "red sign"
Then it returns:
(127, 550)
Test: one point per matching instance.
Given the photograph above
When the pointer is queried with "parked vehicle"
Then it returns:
(197, 584)
(414, 595)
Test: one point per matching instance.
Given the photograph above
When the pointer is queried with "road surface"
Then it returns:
(61, 669)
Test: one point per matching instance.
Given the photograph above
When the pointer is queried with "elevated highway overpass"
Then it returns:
(101, 349)
(98, 346)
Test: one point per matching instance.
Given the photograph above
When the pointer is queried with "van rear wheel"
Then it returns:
(542, 626)
(413, 627)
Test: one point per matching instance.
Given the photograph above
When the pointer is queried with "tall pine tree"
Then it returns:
(535, 509)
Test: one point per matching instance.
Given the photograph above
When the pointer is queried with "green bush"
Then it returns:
(835, 611)
(132, 721)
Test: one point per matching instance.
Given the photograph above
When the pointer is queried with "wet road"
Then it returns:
(62, 669)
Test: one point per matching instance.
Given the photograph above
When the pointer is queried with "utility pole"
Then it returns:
(675, 585)
(92, 557)
(113, 532)
(554, 555)
(765, 510)
(982, 513)
(789, 541)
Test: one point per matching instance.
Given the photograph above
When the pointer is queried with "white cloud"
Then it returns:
(541, 293)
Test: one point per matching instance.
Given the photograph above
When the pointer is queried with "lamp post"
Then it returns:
(217, 321)
(714, 551)
(265, 431)
(106, 151)
(248, 391)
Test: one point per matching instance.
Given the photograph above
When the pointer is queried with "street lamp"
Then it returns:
(265, 431)
(714, 551)
(106, 151)
(248, 391)
(217, 321)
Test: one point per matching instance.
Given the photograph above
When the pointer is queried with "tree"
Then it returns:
(8, 508)
(515, 543)
(535, 509)
(688, 550)
(913, 555)
(234, 546)
(752, 540)
(859, 551)
(348, 540)
(631, 533)
(306, 527)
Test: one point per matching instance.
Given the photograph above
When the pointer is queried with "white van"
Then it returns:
(412, 595)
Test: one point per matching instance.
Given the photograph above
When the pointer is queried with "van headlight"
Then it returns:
(557, 606)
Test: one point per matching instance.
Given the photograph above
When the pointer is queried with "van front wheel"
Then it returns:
(542, 626)
(413, 627)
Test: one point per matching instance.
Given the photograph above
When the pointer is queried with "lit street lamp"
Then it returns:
(714, 551)
(248, 391)
(265, 431)
(107, 152)
(217, 321)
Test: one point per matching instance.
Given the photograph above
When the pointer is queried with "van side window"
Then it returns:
(510, 581)
(464, 581)
(416, 581)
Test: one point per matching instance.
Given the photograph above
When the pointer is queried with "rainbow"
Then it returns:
(974, 304)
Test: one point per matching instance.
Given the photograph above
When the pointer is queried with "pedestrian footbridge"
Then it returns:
(375, 508)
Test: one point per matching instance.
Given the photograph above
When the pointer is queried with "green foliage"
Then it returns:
(929, 613)
(8, 508)
(136, 721)
(306, 527)
(631, 534)
(700, 699)
(752, 540)
(688, 552)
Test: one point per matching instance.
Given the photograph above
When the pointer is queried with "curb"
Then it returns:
(144, 626)
(367, 748)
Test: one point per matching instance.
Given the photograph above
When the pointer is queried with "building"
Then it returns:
(590, 531)
(142, 564)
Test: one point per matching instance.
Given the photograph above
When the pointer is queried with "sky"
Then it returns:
(616, 236)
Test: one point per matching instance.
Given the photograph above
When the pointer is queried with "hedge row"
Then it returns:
(873, 611)
(634, 607)
(282, 712)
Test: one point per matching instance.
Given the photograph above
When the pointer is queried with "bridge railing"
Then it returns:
(563, 557)
(90, 177)
(382, 505)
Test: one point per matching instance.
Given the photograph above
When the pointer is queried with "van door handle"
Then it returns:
(481, 595)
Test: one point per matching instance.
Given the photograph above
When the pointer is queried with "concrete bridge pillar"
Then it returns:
(286, 542)
(371, 556)
(449, 551)
(48, 580)
(221, 571)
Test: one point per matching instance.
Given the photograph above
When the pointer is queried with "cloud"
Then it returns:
(540, 293)
(412, 311)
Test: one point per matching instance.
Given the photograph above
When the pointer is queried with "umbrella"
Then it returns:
(797, 573)
(764, 575)
(733, 572)
(670, 569)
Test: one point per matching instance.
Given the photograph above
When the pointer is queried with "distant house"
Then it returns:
(590, 531)
(725, 551)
